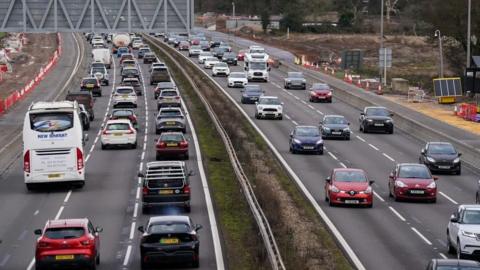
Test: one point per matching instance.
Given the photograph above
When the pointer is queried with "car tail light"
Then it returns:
(105, 132)
(132, 118)
(130, 131)
(79, 159)
(86, 242)
(184, 144)
(186, 189)
(42, 244)
(177, 97)
(26, 162)
(145, 191)
(161, 145)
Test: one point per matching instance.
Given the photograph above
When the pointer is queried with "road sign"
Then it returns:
(96, 15)
(382, 61)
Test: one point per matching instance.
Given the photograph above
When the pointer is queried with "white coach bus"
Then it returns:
(53, 144)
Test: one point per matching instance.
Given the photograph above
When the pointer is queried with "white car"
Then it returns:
(463, 231)
(98, 40)
(119, 132)
(237, 79)
(210, 61)
(204, 55)
(124, 96)
(155, 65)
(269, 107)
(194, 51)
(220, 69)
(137, 44)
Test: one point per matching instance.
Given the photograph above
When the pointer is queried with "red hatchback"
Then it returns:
(412, 181)
(320, 92)
(348, 187)
(241, 55)
(172, 144)
(68, 243)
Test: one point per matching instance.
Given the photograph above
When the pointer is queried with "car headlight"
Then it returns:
(334, 189)
(368, 190)
(430, 159)
(346, 129)
(260, 108)
(297, 141)
(319, 142)
(432, 185)
(370, 120)
(456, 160)
(469, 234)
(400, 184)
(288, 80)
(388, 121)
(326, 129)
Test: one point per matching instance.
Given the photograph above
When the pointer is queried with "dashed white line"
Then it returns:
(343, 165)
(389, 157)
(311, 107)
(443, 255)
(143, 156)
(132, 230)
(127, 255)
(304, 102)
(36, 213)
(294, 122)
(332, 155)
(68, 196)
(373, 146)
(135, 210)
(137, 196)
(297, 98)
(360, 138)
(448, 197)
(378, 196)
(397, 214)
(319, 112)
(288, 117)
(421, 236)
(141, 166)
(30, 265)
(59, 212)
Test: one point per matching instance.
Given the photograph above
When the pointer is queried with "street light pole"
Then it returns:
(382, 50)
(469, 34)
(439, 35)
(233, 9)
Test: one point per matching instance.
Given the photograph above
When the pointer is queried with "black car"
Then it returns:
(230, 58)
(452, 264)
(204, 45)
(214, 44)
(441, 157)
(219, 52)
(335, 126)
(169, 240)
(376, 119)
(130, 72)
(149, 58)
(251, 93)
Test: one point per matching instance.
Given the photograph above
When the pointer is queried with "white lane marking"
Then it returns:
(287, 116)
(389, 157)
(132, 231)
(373, 146)
(59, 212)
(68, 196)
(295, 122)
(141, 166)
(319, 112)
(332, 155)
(297, 98)
(448, 197)
(378, 196)
(30, 265)
(127, 255)
(304, 102)
(36, 212)
(360, 138)
(421, 236)
(397, 214)
(135, 209)
(443, 255)
(343, 165)
(5, 260)
(139, 182)
(143, 156)
(137, 196)
(311, 107)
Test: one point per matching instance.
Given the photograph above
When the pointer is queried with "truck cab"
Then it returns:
(256, 64)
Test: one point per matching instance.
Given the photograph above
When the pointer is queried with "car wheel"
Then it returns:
(369, 205)
(459, 250)
(92, 117)
(184, 130)
(451, 249)
(157, 156)
(257, 116)
(477, 199)
(364, 129)
(320, 152)
(280, 118)
(347, 138)
(104, 146)
(390, 131)
(30, 187)
(196, 263)
(38, 267)
(360, 127)
(187, 207)
(330, 203)
(97, 260)
(107, 83)
(330, 101)
(80, 184)
(459, 171)
(93, 266)
(389, 191)
(134, 146)
(433, 200)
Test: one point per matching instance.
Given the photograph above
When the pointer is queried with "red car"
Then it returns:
(320, 92)
(412, 181)
(195, 41)
(68, 243)
(184, 46)
(172, 144)
(241, 55)
(126, 56)
(348, 187)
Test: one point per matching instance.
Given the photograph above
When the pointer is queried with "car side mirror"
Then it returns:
(348, 124)
(38, 232)
(141, 229)
(320, 122)
(98, 229)
(198, 227)
(423, 152)
(191, 173)
(453, 219)
(282, 103)
(85, 137)
(391, 176)
(245, 68)
(291, 135)
(140, 174)
(256, 102)
(269, 68)
(328, 180)
(391, 115)
(362, 113)
(459, 154)
(371, 182)
(243, 90)
(435, 178)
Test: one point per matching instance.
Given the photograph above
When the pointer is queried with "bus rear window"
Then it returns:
(50, 122)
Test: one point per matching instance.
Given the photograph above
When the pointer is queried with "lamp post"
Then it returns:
(469, 34)
(439, 35)
(382, 50)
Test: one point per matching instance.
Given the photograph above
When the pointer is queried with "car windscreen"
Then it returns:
(441, 149)
(471, 216)
(258, 65)
(335, 121)
(50, 122)
(166, 228)
(169, 94)
(221, 65)
(171, 137)
(255, 92)
(415, 171)
(211, 59)
(96, 70)
(307, 131)
(127, 72)
(350, 176)
(206, 54)
(90, 81)
(164, 85)
(144, 50)
(238, 75)
(320, 86)
(269, 101)
(295, 75)
(118, 126)
(253, 87)
(377, 112)
(80, 98)
(170, 114)
(64, 233)
(229, 55)
(124, 91)
(123, 113)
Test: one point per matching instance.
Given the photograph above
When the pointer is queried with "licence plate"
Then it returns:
(417, 191)
(321, 97)
(64, 257)
(165, 191)
(169, 241)
(352, 201)
(308, 147)
(54, 175)
(172, 144)
(170, 123)
(378, 125)
(90, 85)
(336, 133)
(444, 167)
(124, 96)
(117, 134)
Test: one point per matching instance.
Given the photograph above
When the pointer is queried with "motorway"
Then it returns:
(393, 235)
(111, 195)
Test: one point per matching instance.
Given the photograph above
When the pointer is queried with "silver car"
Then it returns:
(170, 119)
(168, 98)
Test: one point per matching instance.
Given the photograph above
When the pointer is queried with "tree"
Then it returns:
(265, 17)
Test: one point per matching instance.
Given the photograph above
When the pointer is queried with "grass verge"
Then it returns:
(243, 245)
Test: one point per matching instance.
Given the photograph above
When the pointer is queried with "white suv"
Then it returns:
(209, 62)
(269, 107)
(463, 231)
(237, 79)
(220, 69)
(204, 55)
(119, 132)
(124, 96)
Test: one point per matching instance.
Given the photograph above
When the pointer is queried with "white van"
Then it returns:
(102, 55)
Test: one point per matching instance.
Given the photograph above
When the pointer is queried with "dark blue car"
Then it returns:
(121, 51)
(251, 93)
(306, 139)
